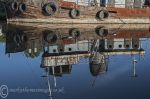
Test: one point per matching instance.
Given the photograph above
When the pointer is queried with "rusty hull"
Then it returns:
(131, 12)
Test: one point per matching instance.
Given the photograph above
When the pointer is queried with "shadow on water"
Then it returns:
(64, 47)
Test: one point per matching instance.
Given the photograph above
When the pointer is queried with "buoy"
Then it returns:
(50, 8)
(74, 13)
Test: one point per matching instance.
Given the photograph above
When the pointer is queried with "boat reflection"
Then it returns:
(61, 48)
(62, 55)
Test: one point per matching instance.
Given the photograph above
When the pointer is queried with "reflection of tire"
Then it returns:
(20, 38)
(102, 14)
(22, 7)
(74, 32)
(101, 31)
(50, 36)
(74, 13)
(50, 8)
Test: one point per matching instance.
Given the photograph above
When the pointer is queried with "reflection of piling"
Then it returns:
(1, 30)
(53, 71)
(49, 85)
(134, 67)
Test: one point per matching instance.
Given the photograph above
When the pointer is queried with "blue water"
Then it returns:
(20, 72)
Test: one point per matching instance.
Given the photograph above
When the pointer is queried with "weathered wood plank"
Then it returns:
(81, 21)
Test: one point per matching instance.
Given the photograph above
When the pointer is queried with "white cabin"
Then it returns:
(112, 3)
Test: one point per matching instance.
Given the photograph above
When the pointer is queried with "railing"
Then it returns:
(120, 5)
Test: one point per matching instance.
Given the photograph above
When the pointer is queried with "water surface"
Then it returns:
(71, 62)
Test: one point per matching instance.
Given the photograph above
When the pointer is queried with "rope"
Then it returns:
(121, 19)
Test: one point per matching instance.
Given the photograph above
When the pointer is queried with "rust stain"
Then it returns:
(70, 5)
(131, 12)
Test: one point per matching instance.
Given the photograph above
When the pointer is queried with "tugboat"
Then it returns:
(67, 11)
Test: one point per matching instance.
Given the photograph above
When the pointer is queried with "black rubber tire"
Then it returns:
(106, 14)
(74, 32)
(50, 36)
(101, 31)
(22, 7)
(74, 13)
(102, 14)
(14, 5)
(17, 39)
(50, 8)
(24, 37)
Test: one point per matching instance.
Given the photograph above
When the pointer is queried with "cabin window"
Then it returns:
(110, 46)
(120, 46)
(127, 46)
(54, 50)
(135, 46)
(70, 49)
(61, 50)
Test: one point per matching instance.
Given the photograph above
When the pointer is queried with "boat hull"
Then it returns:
(88, 14)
